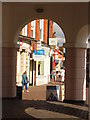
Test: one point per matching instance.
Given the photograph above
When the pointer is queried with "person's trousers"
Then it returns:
(23, 86)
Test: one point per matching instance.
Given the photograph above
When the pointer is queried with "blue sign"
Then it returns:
(39, 52)
(52, 87)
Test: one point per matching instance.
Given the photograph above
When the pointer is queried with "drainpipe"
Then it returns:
(48, 34)
(29, 69)
(33, 72)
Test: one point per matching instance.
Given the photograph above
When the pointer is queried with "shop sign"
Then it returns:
(52, 41)
(38, 57)
(20, 42)
(52, 93)
(39, 52)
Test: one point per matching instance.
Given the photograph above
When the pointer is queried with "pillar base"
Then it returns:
(80, 102)
(9, 98)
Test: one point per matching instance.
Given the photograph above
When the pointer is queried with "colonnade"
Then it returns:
(75, 73)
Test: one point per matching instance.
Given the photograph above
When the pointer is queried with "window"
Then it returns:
(40, 67)
(41, 34)
(31, 33)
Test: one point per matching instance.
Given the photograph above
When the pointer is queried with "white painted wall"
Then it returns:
(22, 63)
(43, 79)
(25, 33)
(33, 27)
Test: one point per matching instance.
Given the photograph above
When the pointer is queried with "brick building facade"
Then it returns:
(38, 29)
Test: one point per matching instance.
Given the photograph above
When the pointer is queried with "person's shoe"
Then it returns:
(27, 90)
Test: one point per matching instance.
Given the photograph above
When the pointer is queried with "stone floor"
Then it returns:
(42, 110)
(33, 106)
(39, 92)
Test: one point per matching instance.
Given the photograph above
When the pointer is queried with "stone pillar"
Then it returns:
(89, 87)
(18, 81)
(9, 58)
(75, 74)
(89, 100)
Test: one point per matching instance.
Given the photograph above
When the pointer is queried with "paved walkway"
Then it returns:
(35, 106)
(39, 92)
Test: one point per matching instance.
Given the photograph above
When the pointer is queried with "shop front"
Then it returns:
(42, 61)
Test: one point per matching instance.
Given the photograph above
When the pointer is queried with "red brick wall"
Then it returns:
(45, 28)
(37, 29)
(29, 29)
(50, 29)
(34, 45)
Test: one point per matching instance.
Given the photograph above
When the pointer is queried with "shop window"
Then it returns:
(40, 67)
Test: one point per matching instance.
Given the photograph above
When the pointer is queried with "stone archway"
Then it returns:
(13, 11)
(14, 15)
(28, 74)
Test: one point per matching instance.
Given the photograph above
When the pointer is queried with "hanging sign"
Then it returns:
(52, 41)
(20, 42)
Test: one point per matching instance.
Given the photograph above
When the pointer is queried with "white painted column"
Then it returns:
(75, 74)
(9, 58)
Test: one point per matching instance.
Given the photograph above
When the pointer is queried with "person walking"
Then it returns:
(54, 74)
(24, 81)
(62, 74)
(59, 74)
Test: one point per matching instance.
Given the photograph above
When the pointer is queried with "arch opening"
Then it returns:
(41, 50)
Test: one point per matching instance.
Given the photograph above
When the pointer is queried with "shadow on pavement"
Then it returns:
(15, 109)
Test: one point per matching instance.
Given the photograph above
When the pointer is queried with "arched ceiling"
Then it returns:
(71, 17)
